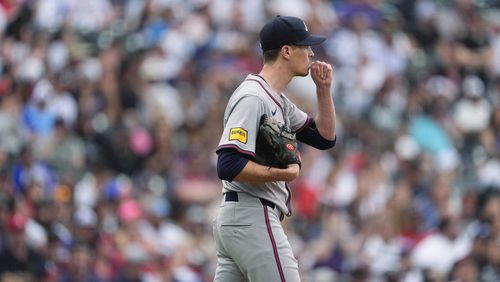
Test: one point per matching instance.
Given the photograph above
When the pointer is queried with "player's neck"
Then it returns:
(276, 77)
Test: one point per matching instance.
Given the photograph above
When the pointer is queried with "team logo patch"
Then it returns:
(239, 134)
(290, 147)
(305, 26)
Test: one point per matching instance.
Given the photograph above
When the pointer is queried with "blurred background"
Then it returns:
(111, 110)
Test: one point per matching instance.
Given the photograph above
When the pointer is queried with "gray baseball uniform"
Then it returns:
(250, 240)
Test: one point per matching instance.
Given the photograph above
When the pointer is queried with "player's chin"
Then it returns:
(303, 73)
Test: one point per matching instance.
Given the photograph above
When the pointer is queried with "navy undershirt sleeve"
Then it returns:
(311, 136)
(230, 163)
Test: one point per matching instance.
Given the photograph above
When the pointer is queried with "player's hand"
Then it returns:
(292, 172)
(322, 74)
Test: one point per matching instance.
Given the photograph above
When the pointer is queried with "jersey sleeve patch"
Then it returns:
(239, 134)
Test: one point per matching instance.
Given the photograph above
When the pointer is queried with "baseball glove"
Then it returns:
(276, 145)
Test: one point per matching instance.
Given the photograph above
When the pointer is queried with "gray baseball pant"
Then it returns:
(251, 243)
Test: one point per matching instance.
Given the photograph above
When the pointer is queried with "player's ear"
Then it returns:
(286, 51)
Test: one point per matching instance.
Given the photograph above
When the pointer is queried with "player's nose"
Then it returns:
(311, 53)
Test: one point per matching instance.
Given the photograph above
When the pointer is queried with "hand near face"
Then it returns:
(322, 74)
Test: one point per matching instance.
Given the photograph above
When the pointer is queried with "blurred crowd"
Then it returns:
(111, 110)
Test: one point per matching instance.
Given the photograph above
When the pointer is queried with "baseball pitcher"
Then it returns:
(258, 155)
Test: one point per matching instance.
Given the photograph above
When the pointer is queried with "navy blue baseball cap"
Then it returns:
(286, 30)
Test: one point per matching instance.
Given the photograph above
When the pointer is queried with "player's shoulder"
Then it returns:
(245, 99)
(247, 89)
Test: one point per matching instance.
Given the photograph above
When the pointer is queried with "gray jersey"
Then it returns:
(249, 102)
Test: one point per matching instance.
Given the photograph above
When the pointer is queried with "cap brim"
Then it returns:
(311, 40)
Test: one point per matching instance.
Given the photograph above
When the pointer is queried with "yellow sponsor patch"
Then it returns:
(239, 134)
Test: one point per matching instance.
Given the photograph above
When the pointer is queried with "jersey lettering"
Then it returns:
(239, 134)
